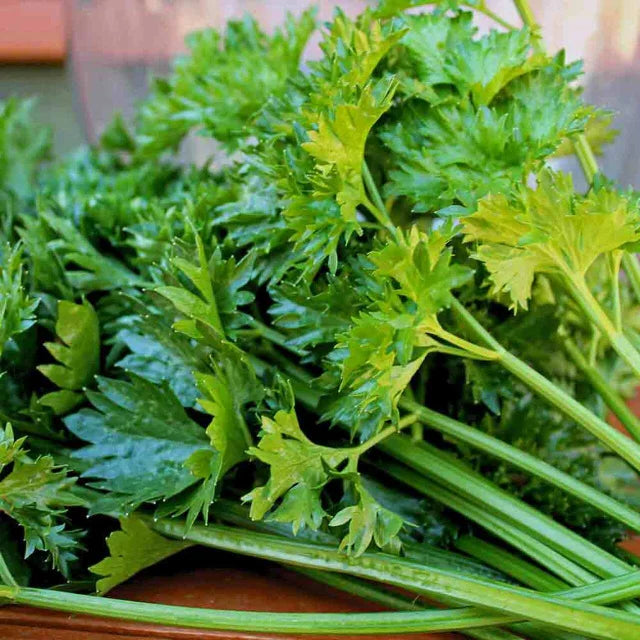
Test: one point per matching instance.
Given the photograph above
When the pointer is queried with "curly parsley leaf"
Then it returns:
(24, 146)
(222, 83)
(299, 471)
(388, 341)
(549, 229)
(36, 493)
(17, 307)
(451, 147)
(218, 283)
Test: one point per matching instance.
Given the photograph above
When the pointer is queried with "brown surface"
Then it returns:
(220, 588)
(32, 31)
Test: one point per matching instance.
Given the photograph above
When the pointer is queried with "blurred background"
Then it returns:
(85, 59)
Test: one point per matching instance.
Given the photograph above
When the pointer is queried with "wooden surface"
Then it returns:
(32, 31)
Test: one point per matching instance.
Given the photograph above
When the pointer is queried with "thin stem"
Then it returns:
(525, 461)
(394, 601)
(6, 577)
(377, 207)
(478, 8)
(611, 398)
(592, 309)
(632, 269)
(471, 348)
(615, 286)
(586, 157)
(528, 19)
(528, 574)
(593, 346)
(616, 441)
(377, 439)
(275, 337)
(484, 10)
(509, 603)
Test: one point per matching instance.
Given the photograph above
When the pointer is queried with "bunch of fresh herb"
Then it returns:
(379, 342)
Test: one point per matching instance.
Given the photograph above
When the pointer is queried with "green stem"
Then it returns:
(611, 398)
(615, 264)
(616, 441)
(472, 6)
(520, 535)
(632, 269)
(466, 346)
(377, 439)
(491, 515)
(528, 19)
(528, 574)
(275, 337)
(233, 513)
(6, 577)
(362, 589)
(430, 462)
(592, 309)
(525, 461)
(585, 155)
(267, 622)
(483, 9)
(509, 603)
(377, 206)
(396, 602)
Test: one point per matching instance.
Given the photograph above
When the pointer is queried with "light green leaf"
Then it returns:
(368, 521)
(61, 402)
(338, 146)
(294, 461)
(132, 549)
(549, 229)
(78, 351)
